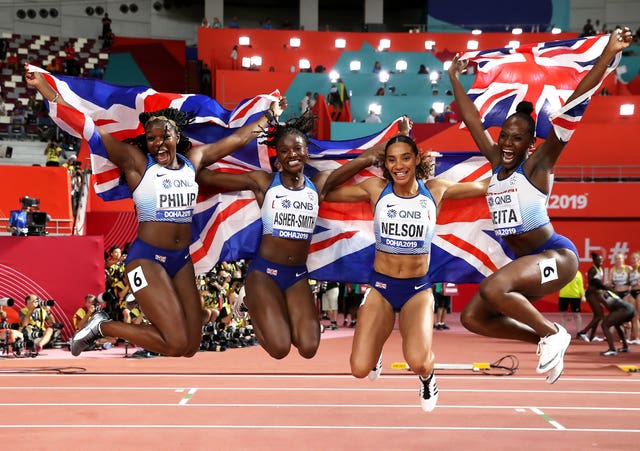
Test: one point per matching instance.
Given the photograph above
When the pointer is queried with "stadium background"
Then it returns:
(160, 45)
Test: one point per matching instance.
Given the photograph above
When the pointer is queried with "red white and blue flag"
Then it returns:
(545, 74)
(227, 225)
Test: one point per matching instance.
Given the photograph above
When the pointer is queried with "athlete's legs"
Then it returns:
(175, 319)
(303, 318)
(608, 322)
(376, 319)
(593, 299)
(267, 309)
(502, 306)
(416, 328)
(635, 321)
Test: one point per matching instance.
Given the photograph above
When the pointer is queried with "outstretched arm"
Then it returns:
(121, 154)
(210, 153)
(619, 40)
(469, 113)
(467, 189)
(327, 181)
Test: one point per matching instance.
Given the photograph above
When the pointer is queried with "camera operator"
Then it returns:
(83, 314)
(8, 319)
(37, 320)
(18, 222)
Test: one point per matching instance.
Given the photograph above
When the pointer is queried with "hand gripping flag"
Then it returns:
(227, 225)
(545, 74)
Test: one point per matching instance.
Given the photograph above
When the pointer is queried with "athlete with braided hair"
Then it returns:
(278, 296)
(162, 180)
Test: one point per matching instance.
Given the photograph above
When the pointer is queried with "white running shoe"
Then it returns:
(555, 372)
(597, 339)
(428, 392)
(551, 349)
(583, 337)
(88, 335)
(375, 372)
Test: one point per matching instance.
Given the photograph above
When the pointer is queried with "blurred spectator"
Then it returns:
(55, 65)
(432, 118)
(4, 47)
(3, 106)
(234, 57)
(305, 103)
(17, 123)
(96, 72)
(216, 23)
(377, 67)
(205, 80)
(36, 320)
(107, 41)
(588, 29)
(71, 66)
(204, 23)
(373, 118)
(423, 69)
(114, 266)
(106, 26)
(267, 25)
(380, 91)
(10, 338)
(53, 152)
(233, 23)
(449, 115)
(12, 61)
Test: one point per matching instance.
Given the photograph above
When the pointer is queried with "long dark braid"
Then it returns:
(300, 126)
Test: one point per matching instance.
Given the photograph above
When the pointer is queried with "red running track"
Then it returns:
(242, 399)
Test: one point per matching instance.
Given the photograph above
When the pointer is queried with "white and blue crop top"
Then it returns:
(404, 225)
(290, 213)
(166, 195)
(515, 204)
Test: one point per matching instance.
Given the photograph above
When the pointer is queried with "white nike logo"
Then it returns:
(417, 287)
(300, 274)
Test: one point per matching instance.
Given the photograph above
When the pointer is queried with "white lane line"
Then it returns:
(289, 426)
(547, 418)
(614, 408)
(187, 397)
(325, 389)
(477, 378)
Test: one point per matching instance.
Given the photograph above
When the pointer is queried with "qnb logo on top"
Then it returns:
(176, 183)
(404, 214)
(297, 205)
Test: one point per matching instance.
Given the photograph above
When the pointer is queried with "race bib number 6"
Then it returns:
(548, 270)
(137, 281)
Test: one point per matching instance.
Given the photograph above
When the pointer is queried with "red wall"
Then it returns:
(215, 44)
(64, 269)
(52, 185)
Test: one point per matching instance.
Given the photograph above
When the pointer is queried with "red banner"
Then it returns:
(593, 200)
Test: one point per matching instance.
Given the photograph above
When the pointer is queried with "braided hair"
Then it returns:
(424, 169)
(172, 117)
(300, 126)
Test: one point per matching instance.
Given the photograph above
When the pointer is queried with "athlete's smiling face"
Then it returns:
(401, 162)
(292, 152)
(162, 139)
(515, 141)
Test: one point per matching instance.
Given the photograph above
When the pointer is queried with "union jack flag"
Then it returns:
(545, 74)
(227, 225)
